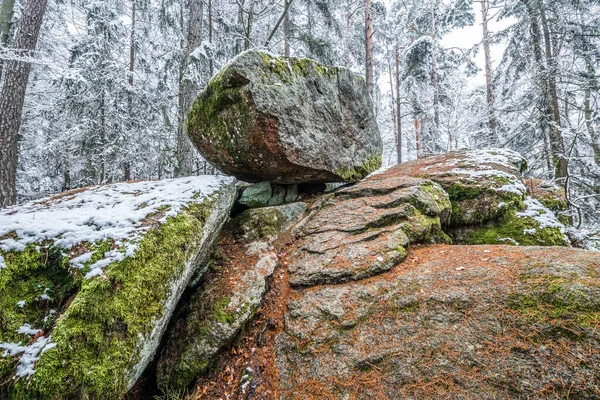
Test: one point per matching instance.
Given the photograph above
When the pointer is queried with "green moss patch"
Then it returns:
(561, 306)
(523, 231)
(356, 173)
(99, 336)
(477, 203)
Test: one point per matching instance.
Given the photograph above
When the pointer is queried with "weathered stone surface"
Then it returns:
(490, 203)
(450, 322)
(363, 230)
(83, 320)
(244, 262)
(265, 194)
(286, 120)
(483, 184)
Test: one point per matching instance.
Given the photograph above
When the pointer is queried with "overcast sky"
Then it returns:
(472, 35)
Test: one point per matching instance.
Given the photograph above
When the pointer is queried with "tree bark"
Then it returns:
(394, 124)
(587, 109)
(13, 96)
(434, 77)
(188, 91)
(398, 109)
(556, 128)
(492, 124)
(249, 25)
(547, 83)
(369, 48)
(127, 164)
(210, 36)
(286, 35)
(418, 137)
(6, 14)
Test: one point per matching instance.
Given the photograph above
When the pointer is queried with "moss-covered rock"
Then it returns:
(489, 198)
(92, 314)
(229, 296)
(268, 222)
(286, 120)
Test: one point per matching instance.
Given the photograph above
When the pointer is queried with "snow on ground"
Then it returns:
(97, 213)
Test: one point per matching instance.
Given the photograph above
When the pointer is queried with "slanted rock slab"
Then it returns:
(363, 230)
(286, 120)
(91, 277)
(228, 297)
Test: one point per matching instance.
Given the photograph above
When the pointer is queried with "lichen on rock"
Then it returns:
(286, 120)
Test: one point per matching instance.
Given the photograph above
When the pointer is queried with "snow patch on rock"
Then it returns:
(30, 355)
(99, 213)
(545, 217)
(26, 329)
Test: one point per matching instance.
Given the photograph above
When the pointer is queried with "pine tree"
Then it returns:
(13, 96)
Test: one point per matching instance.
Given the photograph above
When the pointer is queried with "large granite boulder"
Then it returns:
(369, 301)
(90, 278)
(490, 201)
(286, 120)
(459, 322)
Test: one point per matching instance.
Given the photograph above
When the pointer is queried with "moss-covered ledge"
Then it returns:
(92, 331)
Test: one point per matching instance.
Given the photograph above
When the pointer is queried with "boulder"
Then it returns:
(364, 230)
(90, 278)
(490, 201)
(230, 294)
(286, 120)
(450, 322)
(366, 303)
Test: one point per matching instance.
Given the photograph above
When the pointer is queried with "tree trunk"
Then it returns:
(485, 7)
(13, 96)
(66, 181)
(210, 36)
(418, 137)
(249, 25)
(102, 140)
(127, 164)
(556, 139)
(394, 124)
(369, 48)
(398, 109)
(286, 35)
(587, 109)
(6, 14)
(434, 77)
(286, 7)
(188, 91)
(548, 116)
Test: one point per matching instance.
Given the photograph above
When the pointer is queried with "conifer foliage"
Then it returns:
(103, 94)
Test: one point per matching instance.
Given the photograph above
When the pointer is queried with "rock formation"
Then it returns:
(89, 280)
(408, 283)
(286, 120)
